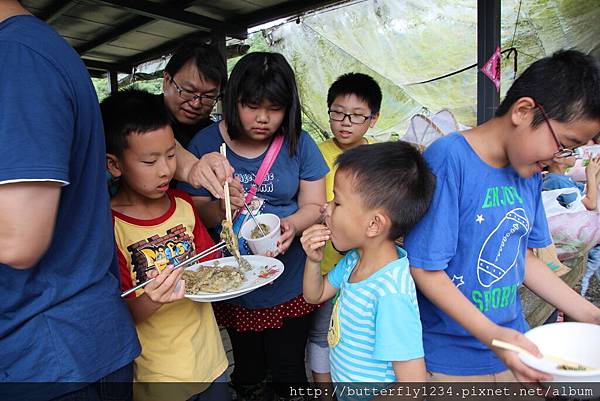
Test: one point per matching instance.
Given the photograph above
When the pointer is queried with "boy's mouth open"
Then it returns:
(345, 134)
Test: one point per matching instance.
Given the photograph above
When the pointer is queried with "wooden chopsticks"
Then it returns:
(186, 262)
(551, 358)
(223, 150)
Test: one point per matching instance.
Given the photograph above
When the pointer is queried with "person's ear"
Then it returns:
(165, 81)
(522, 111)
(374, 120)
(377, 225)
(113, 165)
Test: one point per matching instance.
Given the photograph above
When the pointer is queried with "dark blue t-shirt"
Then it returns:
(479, 225)
(62, 319)
(278, 194)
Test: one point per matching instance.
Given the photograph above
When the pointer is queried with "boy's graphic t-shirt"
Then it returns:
(375, 321)
(277, 194)
(180, 341)
(479, 225)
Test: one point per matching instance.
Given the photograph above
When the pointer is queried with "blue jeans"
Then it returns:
(318, 348)
(217, 391)
(593, 268)
(116, 386)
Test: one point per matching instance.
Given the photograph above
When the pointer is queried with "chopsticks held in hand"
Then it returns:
(186, 262)
(223, 150)
(565, 363)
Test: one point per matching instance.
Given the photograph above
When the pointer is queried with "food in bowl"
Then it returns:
(213, 279)
(257, 232)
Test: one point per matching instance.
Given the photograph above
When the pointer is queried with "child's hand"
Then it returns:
(288, 233)
(511, 359)
(313, 241)
(592, 169)
(167, 286)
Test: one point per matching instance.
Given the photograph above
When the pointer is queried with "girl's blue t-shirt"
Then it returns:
(278, 194)
(478, 227)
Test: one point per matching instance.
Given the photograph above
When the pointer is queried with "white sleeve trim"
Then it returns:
(34, 180)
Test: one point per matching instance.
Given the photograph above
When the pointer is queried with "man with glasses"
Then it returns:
(193, 82)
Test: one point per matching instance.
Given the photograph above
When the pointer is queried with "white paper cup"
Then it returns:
(268, 243)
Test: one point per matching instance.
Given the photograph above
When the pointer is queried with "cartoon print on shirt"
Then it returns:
(500, 250)
(159, 251)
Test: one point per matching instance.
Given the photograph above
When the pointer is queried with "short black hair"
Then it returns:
(263, 76)
(361, 85)
(566, 84)
(130, 111)
(209, 61)
(393, 176)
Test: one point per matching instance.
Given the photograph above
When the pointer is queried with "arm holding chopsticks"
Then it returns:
(209, 171)
(163, 289)
(212, 211)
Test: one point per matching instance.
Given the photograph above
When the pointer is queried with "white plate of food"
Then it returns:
(220, 279)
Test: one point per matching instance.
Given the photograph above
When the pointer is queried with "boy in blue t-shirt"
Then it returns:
(471, 252)
(380, 192)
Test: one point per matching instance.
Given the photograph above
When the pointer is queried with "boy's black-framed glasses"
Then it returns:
(563, 151)
(190, 96)
(354, 118)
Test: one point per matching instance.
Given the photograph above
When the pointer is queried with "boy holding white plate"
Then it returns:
(155, 228)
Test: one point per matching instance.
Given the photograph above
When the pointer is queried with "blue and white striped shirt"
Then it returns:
(378, 321)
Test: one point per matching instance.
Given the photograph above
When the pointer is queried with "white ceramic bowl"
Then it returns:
(577, 342)
(262, 245)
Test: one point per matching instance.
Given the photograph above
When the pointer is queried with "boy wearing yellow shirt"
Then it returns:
(353, 102)
(155, 228)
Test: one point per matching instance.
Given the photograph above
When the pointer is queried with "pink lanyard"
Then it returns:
(264, 169)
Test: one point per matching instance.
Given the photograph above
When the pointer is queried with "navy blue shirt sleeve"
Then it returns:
(43, 136)
(205, 141)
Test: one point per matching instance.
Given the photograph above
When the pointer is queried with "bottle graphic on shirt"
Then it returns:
(500, 250)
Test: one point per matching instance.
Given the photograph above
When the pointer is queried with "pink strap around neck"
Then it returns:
(265, 166)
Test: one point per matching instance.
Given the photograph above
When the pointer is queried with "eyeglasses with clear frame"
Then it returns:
(190, 96)
(563, 151)
(354, 118)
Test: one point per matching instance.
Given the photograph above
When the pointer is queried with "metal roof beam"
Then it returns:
(55, 10)
(104, 66)
(283, 10)
(113, 34)
(129, 26)
(163, 49)
(168, 13)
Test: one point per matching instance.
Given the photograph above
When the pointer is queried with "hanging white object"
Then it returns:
(423, 130)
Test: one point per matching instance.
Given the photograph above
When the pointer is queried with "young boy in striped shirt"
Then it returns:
(380, 192)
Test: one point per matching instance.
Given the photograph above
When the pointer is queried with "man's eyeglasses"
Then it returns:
(190, 96)
(562, 150)
(354, 118)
